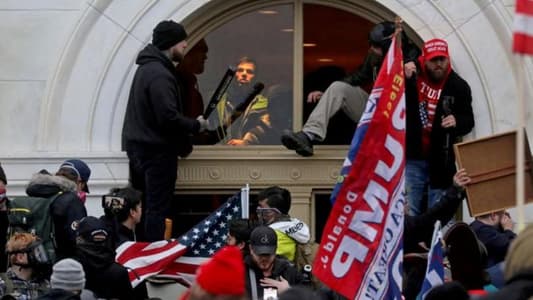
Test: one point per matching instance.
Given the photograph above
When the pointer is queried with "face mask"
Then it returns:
(83, 196)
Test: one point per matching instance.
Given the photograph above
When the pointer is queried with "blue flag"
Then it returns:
(435, 267)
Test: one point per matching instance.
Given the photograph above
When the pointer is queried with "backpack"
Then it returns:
(305, 254)
(303, 259)
(32, 214)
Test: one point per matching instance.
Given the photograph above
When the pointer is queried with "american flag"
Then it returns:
(435, 267)
(523, 27)
(179, 259)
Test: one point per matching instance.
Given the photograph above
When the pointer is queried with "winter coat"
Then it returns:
(253, 126)
(441, 159)
(289, 232)
(282, 267)
(368, 71)
(420, 228)
(104, 277)
(65, 210)
(154, 114)
(59, 294)
(496, 241)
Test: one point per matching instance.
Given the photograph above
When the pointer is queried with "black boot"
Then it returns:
(298, 141)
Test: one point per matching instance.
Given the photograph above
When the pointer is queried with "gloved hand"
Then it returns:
(204, 124)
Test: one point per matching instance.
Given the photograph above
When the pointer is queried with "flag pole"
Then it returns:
(398, 29)
(520, 148)
(245, 201)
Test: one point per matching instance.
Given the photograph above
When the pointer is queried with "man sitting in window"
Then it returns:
(348, 94)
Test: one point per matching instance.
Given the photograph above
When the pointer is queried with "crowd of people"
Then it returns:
(261, 252)
(79, 262)
(260, 259)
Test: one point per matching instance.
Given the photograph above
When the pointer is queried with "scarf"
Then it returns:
(428, 98)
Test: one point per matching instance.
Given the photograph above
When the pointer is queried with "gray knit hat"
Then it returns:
(68, 275)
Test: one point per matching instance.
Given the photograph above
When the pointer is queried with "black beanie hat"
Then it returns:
(167, 34)
(380, 34)
(3, 175)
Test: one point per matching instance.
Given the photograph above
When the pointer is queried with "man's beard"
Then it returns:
(265, 265)
(436, 77)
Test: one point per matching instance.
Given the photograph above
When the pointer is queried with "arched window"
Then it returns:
(295, 48)
(292, 49)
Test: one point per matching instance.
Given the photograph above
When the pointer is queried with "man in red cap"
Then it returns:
(439, 112)
(221, 277)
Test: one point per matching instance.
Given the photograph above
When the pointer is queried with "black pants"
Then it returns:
(154, 172)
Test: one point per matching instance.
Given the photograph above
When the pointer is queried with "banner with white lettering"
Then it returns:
(361, 252)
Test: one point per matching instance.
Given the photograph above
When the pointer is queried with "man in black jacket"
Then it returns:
(267, 274)
(439, 111)
(65, 210)
(418, 231)
(348, 94)
(495, 231)
(104, 277)
(155, 129)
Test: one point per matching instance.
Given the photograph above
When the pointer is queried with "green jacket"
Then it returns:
(251, 126)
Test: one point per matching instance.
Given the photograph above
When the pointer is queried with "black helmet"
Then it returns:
(380, 35)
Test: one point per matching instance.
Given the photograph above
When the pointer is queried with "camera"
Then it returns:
(306, 274)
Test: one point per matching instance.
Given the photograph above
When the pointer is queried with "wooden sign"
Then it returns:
(491, 163)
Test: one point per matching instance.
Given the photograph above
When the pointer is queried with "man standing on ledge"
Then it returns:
(155, 129)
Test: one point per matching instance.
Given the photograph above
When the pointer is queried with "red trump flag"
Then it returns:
(361, 247)
(523, 27)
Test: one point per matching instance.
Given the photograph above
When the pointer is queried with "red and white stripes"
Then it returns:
(523, 27)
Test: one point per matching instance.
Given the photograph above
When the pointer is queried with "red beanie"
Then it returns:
(223, 274)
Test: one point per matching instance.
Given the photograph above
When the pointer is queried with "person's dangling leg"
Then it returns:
(339, 95)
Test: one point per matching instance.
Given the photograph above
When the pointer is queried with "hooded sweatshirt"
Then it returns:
(105, 277)
(154, 114)
(290, 231)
